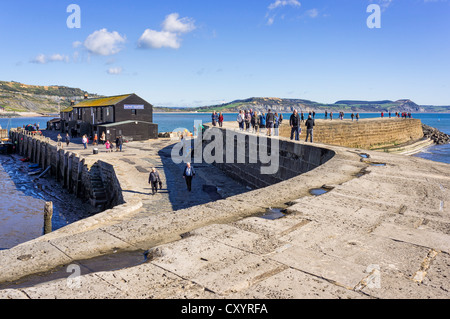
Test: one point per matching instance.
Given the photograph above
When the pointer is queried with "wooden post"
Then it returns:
(48, 215)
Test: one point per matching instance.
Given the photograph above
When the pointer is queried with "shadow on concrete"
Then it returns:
(205, 185)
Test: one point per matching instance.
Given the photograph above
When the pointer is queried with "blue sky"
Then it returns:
(198, 52)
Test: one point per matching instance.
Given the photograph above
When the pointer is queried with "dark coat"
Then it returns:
(310, 124)
(192, 172)
(154, 177)
(295, 120)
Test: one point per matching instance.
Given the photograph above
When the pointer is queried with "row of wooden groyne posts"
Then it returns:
(87, 180)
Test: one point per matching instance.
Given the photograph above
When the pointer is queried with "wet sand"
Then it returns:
(22, 201)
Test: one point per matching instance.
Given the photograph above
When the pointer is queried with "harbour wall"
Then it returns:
(95, 182)
(366, 134)
(246, 156)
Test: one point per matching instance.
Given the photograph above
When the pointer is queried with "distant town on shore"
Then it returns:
(21, 98)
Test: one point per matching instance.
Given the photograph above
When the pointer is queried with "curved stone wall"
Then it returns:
(246, 159)
(367, 133)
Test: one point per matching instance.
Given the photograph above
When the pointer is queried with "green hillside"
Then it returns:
(18, 97)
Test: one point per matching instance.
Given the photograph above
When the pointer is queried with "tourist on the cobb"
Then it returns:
(85, 141)
(155, 180)
(108, 147)
(240, 120)
(215, 118)
(221, 120)
(294, 122)
(103, 138)
(270, 120)
(310, 123)
(262, 122)
(67, 139)
(188, 175)
(254, 122)
(119, 144)
(248, 119)
(276, 124)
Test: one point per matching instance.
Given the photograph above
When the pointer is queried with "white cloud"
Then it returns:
(58, 58)
(159, 39)
(39, 59)
(169, 37)
(77, 44)
(270, 16)
(313, 13)
(284, 3)
(104, 43)
(173, 24)
(43, 59)
(115, 71)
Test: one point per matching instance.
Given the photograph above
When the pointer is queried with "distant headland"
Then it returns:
(23, 99)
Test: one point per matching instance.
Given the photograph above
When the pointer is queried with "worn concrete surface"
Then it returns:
(381, 232)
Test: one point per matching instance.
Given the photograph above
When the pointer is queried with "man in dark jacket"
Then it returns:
(295, 124)
(270, 120)
(154, 179)
(188, 175)
(119, 142)
(309, 128)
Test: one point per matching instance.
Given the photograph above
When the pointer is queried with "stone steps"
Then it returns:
(99, 197)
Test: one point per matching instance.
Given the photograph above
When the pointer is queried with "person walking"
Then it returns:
(188, 175)
(85, 141)
(357, 117)
(155, 180)
(353, 116)
(67, 139)
(270, 120)
(108, 147)
(119, 143)
(294, 122)
(310, 123)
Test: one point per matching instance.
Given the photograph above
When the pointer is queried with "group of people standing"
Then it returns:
(217, 119)
(85, 141)
(253, 121)
(404, 115)
(296, 129)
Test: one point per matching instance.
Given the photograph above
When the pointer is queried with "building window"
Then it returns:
(133, 112)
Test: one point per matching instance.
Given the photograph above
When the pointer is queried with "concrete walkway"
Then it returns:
(383, 231)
